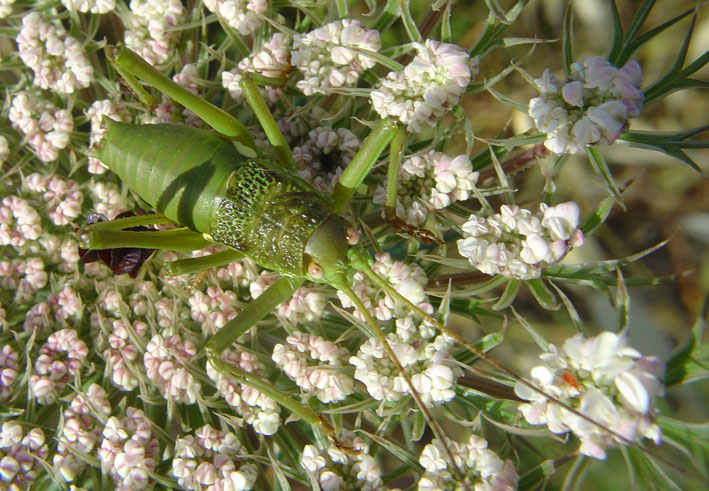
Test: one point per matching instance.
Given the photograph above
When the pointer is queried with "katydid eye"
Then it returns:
(353, 236)
(315, 271)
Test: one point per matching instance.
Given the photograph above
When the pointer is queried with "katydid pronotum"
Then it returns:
(193, 177)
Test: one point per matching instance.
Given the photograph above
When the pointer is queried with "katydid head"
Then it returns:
(326, 250)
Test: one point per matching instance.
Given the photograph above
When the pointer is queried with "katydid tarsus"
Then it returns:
(201, 187)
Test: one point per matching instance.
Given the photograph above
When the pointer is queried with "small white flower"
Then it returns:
(243, 15)
(592, 106)
(429, 86)
(607, 380)
(332, 57)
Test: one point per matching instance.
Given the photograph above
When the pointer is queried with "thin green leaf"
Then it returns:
(494, 28)
(397, 451)
(567, 39)
(634, 44)
(408, 21)
(669, 143)
(690, 359)
(622, 302)
(508, 295)
(598, 217)
(617, 41)
(544, 296)
(600, 165)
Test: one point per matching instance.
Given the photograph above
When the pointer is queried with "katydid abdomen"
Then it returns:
(199, 180)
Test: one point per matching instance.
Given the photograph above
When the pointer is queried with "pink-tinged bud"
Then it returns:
(573, 93)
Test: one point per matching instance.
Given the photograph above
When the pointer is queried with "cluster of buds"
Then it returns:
(307, 304)
(21, 456)
(407, 279)
(212, 459)
(607, 381)
(59, 360)
(428, 87)
(93, 6)
(122, 354)
(256, 408)
(518, 244)
(213, 309)
(46, 127)
(81, 431)
(591, 106)
(57, 59)
(166, 360)
(25, 277)
(423, 354)
(243, 15)
(316, 365)
(272, 61)
(336, 469)
(152, 30)
(62, 196)
(324, 155)
(129, 451)
(19, 222)
(332, 56)
(480, 468)
(8, 367)
(432, 180)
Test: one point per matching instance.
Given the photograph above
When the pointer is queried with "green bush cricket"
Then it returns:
(259, 210)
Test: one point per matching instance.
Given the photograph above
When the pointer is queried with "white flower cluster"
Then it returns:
(62, 196)
(432, 180)
(5, 8)
(603, 378)
(4, 149)
(19, 222)
(424, 356)
(243, 15)
(24, 276)
(81, 431)
(331, 56)
(129, 451)
(8, 368)
(57, 59)
(212, 459)
(59, 360)
(591, 106)
(122, 354)
(324, 155)
(95, 113)
(428, 87)
(93, 6)
(481, 468)
(316, 365)
(337, 469)
(213, 309)
(46, 127)
(272, 60)
(166, 359)
(518, 244)
(407, 279)
(107, 197)
(305, 305)
(257, 409)
(152, 31)
(21, 456)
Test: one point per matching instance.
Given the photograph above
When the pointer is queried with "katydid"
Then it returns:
(257, 208)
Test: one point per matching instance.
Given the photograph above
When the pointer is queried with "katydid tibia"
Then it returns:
(256, 207)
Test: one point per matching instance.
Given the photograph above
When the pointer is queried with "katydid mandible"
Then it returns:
(256, 207)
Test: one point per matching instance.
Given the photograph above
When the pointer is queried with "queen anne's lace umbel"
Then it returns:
(481, 469)
(331, 57)
(57, 59)
(428, 87)
(518, 244)
(603, 378)
(590, 107)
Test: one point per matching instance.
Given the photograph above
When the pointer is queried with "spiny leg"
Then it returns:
(126, 61)
(257, 309)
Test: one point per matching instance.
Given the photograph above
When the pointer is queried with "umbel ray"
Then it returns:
(258, 209)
